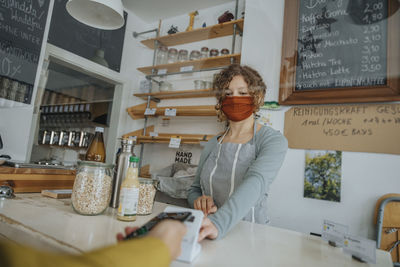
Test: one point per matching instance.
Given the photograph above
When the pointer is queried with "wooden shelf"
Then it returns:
(164, 138)
(137, 112)
(200, 64)
(210, 32)
(179, 94)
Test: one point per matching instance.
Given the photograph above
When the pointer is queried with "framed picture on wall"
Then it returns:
(340, 51)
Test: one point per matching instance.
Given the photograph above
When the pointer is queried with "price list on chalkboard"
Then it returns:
(341, 44)
(22, 24)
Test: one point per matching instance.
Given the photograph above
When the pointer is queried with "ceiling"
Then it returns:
(153, 10)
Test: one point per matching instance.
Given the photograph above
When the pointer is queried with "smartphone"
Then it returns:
(180, 216)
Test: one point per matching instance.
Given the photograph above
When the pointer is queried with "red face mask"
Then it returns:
(237, 108)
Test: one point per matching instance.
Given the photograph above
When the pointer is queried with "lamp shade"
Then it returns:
(101, 14)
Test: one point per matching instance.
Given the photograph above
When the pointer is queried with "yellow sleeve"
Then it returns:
(146, 251)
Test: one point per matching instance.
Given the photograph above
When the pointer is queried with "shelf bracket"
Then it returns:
(155, 99)
(239, 29)
(136, 34)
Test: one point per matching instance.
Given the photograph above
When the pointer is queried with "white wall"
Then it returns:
(365, 176)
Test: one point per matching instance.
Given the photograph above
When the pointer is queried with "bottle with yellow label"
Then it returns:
(129, 195)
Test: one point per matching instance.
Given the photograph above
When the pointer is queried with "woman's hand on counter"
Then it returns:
(205, 204)
(169, 231)
(207, 230)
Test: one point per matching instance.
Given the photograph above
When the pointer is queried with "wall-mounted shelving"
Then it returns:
(206, 33)
(178, 94)
(231, 28)
(195, 65)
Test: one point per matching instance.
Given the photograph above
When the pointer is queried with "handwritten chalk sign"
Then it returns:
(339, 52)
(22, 25)
(335, 51)
(360, 128)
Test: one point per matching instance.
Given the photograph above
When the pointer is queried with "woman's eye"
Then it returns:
(243, 93)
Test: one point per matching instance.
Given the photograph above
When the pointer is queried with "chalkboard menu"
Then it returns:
(22, 25)
(80, 39)
(340, 51)
(341, 44)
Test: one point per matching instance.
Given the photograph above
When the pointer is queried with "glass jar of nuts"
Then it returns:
(147, 193)
(92, 187)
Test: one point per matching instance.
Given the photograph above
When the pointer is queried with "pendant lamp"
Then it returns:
(101, 14)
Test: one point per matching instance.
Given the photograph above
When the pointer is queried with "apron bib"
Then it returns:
(224, 171)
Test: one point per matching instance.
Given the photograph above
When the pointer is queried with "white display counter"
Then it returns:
(51, 224)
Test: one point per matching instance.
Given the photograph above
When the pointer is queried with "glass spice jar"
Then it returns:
(224, 51)
(204, 52)
(172, 55)
(91, 192)
(194, 55)
(183, 55)
(214, 53)
(162, 55)
(147, 193)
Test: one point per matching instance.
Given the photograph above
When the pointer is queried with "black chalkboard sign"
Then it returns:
(341, 44)
(340, 51)
(22, 25)
(80, 39)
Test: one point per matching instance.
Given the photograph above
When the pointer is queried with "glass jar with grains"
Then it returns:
(147, 193)
(92, 187)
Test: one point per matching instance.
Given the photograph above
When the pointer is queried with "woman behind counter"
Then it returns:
(237, 167)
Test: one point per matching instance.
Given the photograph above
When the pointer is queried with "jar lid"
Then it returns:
(195, 52)
(147, 181)
(173, 51)
(183, 52)
(204, 48)
(224, 51)
(163, 48)
(95, 164)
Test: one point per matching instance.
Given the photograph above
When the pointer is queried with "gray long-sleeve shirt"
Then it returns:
(271, 147)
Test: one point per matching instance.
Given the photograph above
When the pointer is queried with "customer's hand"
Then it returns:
(205, 204)
(128, 230)
(169, 231)
(207, 230)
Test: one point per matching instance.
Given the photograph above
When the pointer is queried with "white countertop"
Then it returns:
(51, 224)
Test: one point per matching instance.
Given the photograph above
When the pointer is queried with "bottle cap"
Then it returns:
(133, 159)
(99, 129)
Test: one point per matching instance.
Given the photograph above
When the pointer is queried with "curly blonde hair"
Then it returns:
(255, 83)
